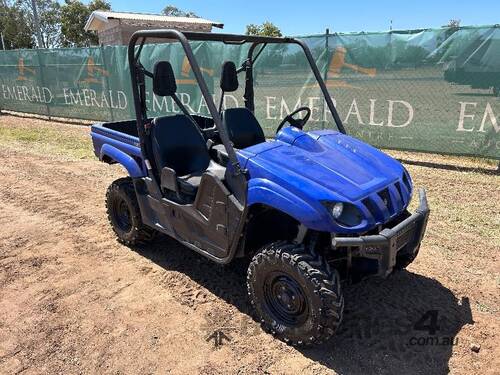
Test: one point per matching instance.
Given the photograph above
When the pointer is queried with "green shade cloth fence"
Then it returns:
(432, 90)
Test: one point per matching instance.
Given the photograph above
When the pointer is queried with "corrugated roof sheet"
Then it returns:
(104, 16)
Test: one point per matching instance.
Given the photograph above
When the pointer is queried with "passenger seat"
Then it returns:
(243, 128)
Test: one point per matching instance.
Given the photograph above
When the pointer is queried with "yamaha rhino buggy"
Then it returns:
(307, 208)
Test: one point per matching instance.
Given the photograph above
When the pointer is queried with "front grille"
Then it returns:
(371, 206)
(386, 198)
(390, 205)
(400, 191)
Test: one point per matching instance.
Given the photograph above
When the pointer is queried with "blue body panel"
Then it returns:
(118, 147)
(298, 172)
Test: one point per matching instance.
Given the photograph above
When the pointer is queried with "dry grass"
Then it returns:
(44, 137)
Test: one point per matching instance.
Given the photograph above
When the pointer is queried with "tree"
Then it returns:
(14, 27)
(266, 29)
(49, 20)
(454, 23)
(253, 29)
(270, 29)
(173, 11)
(74, 15)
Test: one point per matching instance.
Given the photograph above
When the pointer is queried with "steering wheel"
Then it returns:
(297, 123)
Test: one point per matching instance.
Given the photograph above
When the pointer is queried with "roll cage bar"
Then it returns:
(138, 72)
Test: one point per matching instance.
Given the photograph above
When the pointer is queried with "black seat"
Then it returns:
(179, 145)
(179, 149)
(243, 128)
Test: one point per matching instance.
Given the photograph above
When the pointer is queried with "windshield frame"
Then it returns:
(138, 73)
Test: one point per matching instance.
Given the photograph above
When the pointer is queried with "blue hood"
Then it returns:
(328, 166)
(328, 161)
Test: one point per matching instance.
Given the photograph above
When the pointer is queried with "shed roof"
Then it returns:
(99, 18)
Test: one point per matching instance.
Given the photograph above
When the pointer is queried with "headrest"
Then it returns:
(164, 79)
(229, 77)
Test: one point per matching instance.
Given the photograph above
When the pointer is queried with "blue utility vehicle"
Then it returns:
(308, 209)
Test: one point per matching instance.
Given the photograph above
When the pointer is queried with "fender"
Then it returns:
(266, 192)
(124, 159)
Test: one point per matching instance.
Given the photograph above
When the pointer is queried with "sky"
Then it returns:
(295, 17)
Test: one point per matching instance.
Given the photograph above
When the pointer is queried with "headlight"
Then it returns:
(337, 210)
(345, 214)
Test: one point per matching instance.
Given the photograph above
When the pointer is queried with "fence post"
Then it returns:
(106, 77)
(42, 79)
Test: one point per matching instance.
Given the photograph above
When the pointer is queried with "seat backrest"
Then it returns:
(243, 128)
(178, 144)
(176, 140)
(228, 77)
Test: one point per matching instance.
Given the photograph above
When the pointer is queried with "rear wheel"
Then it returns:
(124, 214)
(295, 293)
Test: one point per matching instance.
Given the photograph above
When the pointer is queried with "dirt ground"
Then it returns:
(73, 300)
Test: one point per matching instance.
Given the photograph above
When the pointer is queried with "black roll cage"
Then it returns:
(137, 73)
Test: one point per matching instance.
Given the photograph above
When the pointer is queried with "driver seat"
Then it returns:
(243, 128)
(179, 149)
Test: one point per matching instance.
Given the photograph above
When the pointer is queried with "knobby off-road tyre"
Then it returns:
(124, 214)
(295, 294)
(404, 260)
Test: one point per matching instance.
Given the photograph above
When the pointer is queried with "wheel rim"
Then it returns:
(121, 214)
(285, 300)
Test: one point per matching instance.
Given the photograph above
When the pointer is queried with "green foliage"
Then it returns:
(253, 29)
(404, 54)
(266, 29)
(454, 23)
(74, 15)
(15, 27)
(171, 10)
(49, 12)
(362, 53)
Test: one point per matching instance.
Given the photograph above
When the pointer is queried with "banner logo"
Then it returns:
(23, 70)
(94, 72)
(338, 64)
(186, 73)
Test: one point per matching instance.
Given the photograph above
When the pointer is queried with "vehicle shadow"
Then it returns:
(380, 331)
(388, 327)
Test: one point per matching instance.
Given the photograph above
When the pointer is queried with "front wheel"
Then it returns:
(295, 294)
(404, 259)
(124, 214)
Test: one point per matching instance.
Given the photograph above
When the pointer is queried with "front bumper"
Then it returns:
(403, 239)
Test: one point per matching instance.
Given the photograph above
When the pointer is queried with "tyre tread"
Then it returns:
(313, 267)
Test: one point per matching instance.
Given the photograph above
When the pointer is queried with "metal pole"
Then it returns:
(3, 41)
(325, 76)
(322, 84)
(37, 24)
